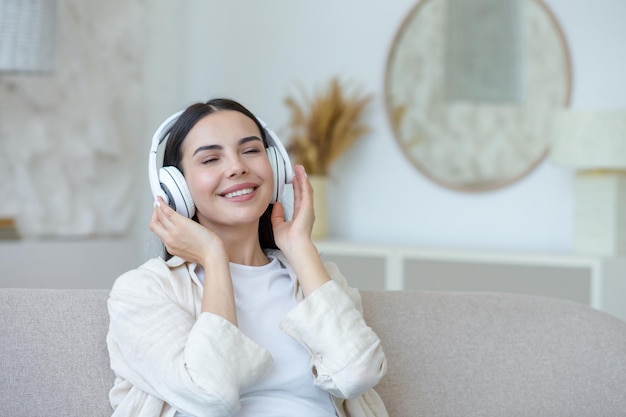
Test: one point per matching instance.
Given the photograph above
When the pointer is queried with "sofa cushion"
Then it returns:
(449, 354)
(53, 353)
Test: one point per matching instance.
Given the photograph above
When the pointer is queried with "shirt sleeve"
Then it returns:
(198, 366)
(346, 355)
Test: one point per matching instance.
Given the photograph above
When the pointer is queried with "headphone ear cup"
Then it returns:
(278, 168)
(175, 187)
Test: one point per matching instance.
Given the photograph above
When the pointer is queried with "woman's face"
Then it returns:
(227, 170)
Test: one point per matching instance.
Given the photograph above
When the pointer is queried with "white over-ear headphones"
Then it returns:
(168, 182)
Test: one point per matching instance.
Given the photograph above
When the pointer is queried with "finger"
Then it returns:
(156, 216)
(167, 215)
(296, 192)
(278, 214)
(158, 202)
(155, 224)
(305, 186)
(155, 213)
(305, 190)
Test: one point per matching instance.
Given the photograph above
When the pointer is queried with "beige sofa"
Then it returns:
(450, 354)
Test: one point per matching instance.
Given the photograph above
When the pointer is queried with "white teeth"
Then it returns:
(239, 192)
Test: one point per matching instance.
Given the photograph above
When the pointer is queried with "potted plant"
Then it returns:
(322, 128)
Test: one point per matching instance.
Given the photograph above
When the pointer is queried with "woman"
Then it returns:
(241, 318)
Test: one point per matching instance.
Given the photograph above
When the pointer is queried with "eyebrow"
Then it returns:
(219, 147)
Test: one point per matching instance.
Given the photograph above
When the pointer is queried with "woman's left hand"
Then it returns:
(288, 234)
(293, 237)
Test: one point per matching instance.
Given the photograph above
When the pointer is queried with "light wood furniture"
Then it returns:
(595, 281)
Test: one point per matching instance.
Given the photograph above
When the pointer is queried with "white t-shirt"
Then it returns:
(263, 295)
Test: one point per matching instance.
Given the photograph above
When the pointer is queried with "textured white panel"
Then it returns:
(68, 140)
(600, 214)
(585, 139)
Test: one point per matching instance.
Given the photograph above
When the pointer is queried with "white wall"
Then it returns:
(258, 52)
(96, 263)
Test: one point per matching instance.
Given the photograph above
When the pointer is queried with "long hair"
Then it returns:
(173, 152)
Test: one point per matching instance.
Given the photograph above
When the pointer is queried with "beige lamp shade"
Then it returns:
(27, 29)
(593, 143)
(590, 140)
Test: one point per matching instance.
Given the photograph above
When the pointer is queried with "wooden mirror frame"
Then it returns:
(473, 147)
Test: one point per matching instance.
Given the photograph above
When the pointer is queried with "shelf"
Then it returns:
(596, 281)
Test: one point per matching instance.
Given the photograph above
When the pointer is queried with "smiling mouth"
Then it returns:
(238, 193)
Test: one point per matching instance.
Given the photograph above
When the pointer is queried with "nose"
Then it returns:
(237, 167)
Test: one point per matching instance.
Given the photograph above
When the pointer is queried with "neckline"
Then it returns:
(259, 268)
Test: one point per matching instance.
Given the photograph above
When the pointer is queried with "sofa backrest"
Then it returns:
(492, 355)
(449, 354)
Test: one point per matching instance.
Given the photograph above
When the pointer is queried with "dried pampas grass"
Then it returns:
(325, 126)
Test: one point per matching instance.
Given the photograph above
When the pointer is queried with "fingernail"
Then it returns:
(157, 203)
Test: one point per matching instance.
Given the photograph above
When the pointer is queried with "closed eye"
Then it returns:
(210, 160)
(252, 150)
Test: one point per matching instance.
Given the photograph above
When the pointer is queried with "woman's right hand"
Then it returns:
(193, 242)
(184, 237)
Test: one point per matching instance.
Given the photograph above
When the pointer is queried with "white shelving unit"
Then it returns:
(596, 281)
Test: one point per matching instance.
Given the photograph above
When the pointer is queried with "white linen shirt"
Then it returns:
(167, 355)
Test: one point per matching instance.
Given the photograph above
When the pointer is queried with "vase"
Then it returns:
(320, 227)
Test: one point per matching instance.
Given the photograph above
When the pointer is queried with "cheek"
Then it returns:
(263, 170)
(201, 185)
(267, 170)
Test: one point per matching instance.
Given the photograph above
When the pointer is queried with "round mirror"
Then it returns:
(476, 140)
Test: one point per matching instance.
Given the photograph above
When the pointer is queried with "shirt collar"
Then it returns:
(175, 262)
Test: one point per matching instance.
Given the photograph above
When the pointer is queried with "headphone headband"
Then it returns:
(158, 137)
